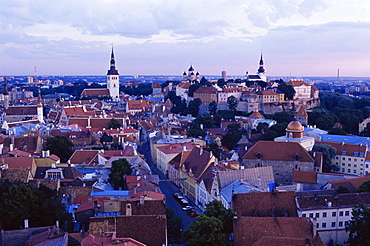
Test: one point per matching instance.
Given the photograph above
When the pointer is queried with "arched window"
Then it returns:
(259, 155)
(296, 157)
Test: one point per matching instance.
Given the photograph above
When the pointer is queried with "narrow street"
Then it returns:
(167, 188)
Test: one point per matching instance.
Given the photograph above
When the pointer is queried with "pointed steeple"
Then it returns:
(112, 70)
(261, 69)
(6, 92)
(39, 100)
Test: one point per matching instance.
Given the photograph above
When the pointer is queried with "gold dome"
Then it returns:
(294, 126)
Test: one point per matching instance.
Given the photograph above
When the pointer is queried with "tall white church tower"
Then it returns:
(261, 70)
(113, 79)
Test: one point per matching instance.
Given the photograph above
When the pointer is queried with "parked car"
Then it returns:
(193, 214)
(186, 208)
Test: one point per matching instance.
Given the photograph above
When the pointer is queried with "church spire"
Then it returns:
(261, 69)
(112, 70)
(6, 94)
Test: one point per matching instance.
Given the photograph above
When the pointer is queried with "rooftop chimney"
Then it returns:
(128, 209)
(141, 200)
(314, 227)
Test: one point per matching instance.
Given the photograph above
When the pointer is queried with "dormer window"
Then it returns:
(259, 155)
(296, 157)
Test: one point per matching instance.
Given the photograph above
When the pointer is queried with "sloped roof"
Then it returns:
(302, 112)
(156, 85)
(95, 92)
(197, 161)
(168, 103)
(276, 230)
(296, 83)
(84, 156)
(262, 175)
(279, 151)
(14, 174)
(137, 104)
(250, 204)
(347, 200)
(18, 162)
(22, 110)
(304, 177)
(205, 90)
(355, 183)
(349, 149)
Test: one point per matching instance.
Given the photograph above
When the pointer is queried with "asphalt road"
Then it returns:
(168, 188)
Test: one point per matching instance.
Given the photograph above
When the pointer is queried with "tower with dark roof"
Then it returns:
(6, 94)
(113, 79)
(261, 70)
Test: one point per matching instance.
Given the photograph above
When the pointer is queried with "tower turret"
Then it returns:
(40, 110)
(113, 79)
(261, 70)
(6, 94)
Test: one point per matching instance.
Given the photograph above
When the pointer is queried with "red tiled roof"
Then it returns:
(304, 177)
(279, 151)
(296, 83)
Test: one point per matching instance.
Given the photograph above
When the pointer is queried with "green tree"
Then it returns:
(114, 124)
(20, 201)
(206, 231)
(213, 107)
(328, 154)
(193, 107)
(359, 225)
(364, 187)
(283, 117)
(288, 90)
(119, 168)
(232, 102)
(60, 146)
(337, 131)
(232, 136)
(217, 210)
(174, 227)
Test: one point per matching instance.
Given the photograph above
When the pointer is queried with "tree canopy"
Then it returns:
(328, 154)
(174, 227)
(20, 201)
(119, 168)
(364, 187)
(114, 124)
(232, 103)
(232, 136)
(359, 225)
(211, 228)
(60, 146)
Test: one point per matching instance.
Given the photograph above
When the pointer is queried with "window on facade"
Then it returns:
(355, 165)
(317, 225)
(343, 158)
(347, 213)
(349, 159)
(355, 159)
(349, 170)
(296, 157)
(355, 171)
(323, 225)
(259, 155)
(367, 165)
(311, 215)
(343, 164)
(340, 224)
(343, 170)
(303, 215)
(333, 214)
(324, 214)
(332, 224)
(340, 213)
(346, 223)
(349, 164)
(317, 215)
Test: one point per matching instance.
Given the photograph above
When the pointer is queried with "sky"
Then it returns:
(164, 37)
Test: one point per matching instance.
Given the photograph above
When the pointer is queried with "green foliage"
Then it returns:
(206, 231)
(232, 136)
(217, 210)
(261, 126)
(283, 117)
(232, 103)
(359, 225)
(328, 154)
(60, 146)
(119, 168)
(213, 107)
(174, 227)
(193, 107)
(114, 124)
(288, 90)
(19, 201)
(364, 187)
(141, 89)
(337, 131)
(213, 147)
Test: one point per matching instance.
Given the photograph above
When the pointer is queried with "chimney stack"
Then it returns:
(128, 209)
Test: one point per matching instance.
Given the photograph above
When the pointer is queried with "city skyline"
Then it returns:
(165, 37)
